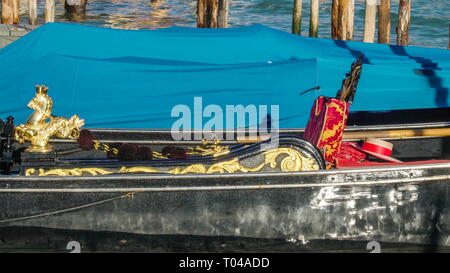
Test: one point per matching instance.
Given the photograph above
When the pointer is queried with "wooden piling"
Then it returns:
(370, 21)
(32, 12)
(207, 13)
(201, 9)
(10, 11)
(335, 19)
(7, 12)
(404, 17)
(350, 19)
(314, 19)
(384, 22)
(16, 11)
(343, 19)
(76, 6)
(223, 13)
(49, 11)
(297, 17)
(214, 13)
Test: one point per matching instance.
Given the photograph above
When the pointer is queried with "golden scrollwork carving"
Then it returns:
(41, 124)
(69, 172)
(292, 161)
(195, 168)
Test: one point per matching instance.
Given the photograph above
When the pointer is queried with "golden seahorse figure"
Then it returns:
(41, 124)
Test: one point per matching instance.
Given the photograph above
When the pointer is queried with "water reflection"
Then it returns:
(138, 14)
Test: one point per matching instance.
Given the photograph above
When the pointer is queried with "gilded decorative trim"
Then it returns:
(293, 161)
(69, 172)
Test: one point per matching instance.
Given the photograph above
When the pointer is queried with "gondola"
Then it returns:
(118, 176)
(153, 184)
(395, 203)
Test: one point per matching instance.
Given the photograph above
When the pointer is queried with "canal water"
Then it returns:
(430, 19)
(45, 240)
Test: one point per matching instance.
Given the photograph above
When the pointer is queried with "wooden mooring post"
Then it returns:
(32, 12)
(343, 19)
(49, 11)
(314, 19)
(75, 6)
(10, 11)
(404, 17)
(335, 19)
(212, 13)
(350, 19)
(370, 21)
(297, 17)
(224, 6)
(384, 22)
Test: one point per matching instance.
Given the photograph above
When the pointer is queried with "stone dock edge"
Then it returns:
(10, 33)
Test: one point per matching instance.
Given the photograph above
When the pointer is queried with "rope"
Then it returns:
(104, 147)
(127, 195)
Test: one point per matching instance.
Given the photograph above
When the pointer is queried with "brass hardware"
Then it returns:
(293, 161)
(41, 124)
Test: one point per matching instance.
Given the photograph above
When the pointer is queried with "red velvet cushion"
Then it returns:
(326, 126)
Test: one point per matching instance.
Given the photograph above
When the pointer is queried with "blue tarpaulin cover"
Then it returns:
(133, 78)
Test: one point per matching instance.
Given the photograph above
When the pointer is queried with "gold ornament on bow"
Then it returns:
(41, 124)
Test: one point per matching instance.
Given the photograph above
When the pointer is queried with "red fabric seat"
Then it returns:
(346, 164)
(350, 157)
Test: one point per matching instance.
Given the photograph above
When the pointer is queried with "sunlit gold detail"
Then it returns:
(292, 161)
(41, 124)
(195, 168)
(104, 147)
(159, 155)
(30, 172)
(232, 166)
(138, 169)
(209, 149)
(69, 172)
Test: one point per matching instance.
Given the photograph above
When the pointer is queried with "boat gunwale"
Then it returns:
(237, 132)
(437, 178)
(157, 176)
(287, 130)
